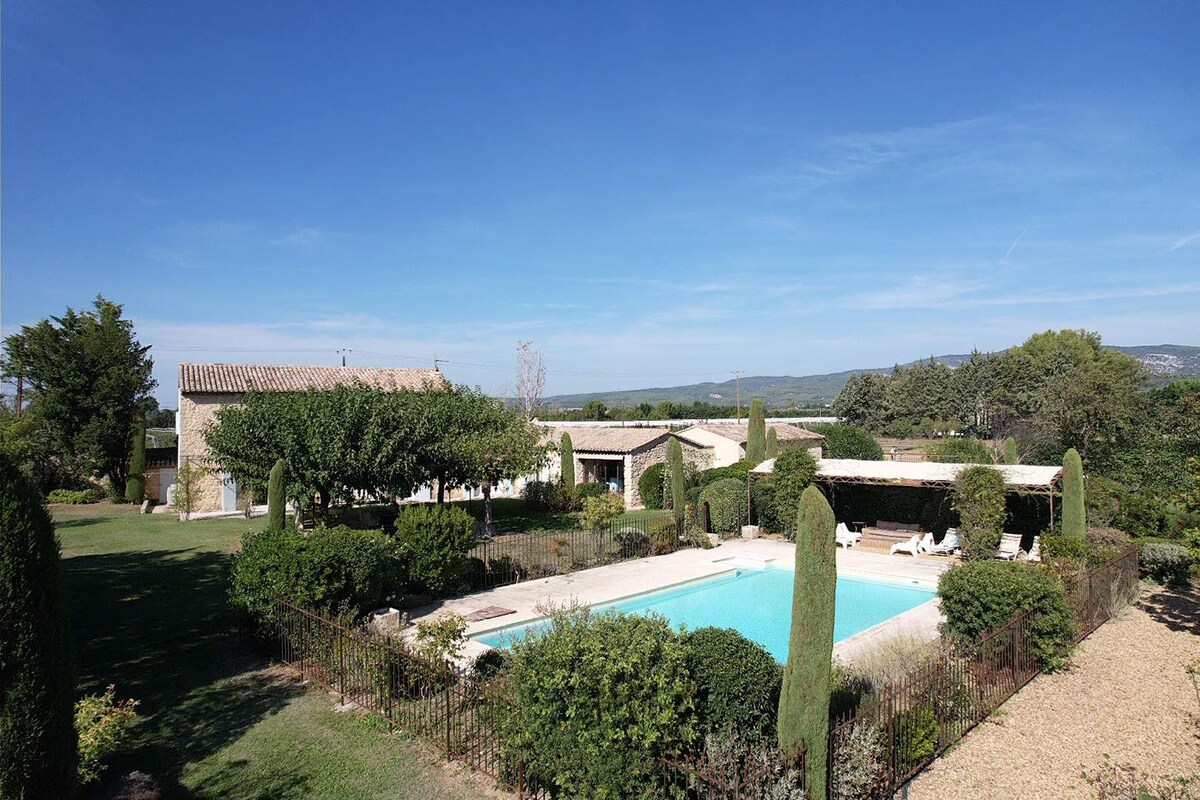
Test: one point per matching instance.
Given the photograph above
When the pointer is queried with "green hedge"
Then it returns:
(433, 546)
(980, 596)
(737, 682)
(726, 500)
(74, 497)
(650, 485)
(849, 441)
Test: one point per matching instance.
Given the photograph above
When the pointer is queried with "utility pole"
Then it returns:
(738, 383)
(345, 351)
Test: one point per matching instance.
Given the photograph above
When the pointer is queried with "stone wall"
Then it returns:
(196, 412)
(639, 461)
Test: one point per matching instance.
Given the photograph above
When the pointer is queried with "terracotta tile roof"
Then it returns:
(235, 378)
(738, 432)
(608, 440)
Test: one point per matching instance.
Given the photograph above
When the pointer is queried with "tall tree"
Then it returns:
(756, 433)
(772, 443)
(803, 726)
(1074, 510)
(277, 496)
(87, 377)
(502, 445)
(675, 468)
(1012, 454)
(37, 683)
(531, 378)
(566, 454)
(135, 484)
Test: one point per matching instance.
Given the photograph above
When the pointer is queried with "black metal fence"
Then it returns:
(455, 714)
(514, 557)
(876, 749)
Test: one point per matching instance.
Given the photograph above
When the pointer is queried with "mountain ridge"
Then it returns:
(1165, 362)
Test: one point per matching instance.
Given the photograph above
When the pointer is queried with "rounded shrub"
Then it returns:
(737, 682)
(650, 485)
(599, 698)
(1165, 563)
(434, 542)
(335, 571)
(980, 596)
(849, 441)
(737, 470)
(959, 450)
(726, 500)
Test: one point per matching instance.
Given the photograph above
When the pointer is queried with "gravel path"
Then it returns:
(1128, 695)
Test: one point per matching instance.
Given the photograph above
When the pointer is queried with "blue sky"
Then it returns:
(654, 194)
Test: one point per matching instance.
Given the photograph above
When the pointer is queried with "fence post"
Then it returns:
(449, 757)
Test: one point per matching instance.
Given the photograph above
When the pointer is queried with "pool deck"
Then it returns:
(628, 578)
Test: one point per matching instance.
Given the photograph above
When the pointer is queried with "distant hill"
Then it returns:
(1166, 362)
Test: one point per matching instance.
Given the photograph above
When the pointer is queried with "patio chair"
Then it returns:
(913, 545)
(1035, 550)
(846, 537)
(1010, 547)
(927, 543)
(949, 545)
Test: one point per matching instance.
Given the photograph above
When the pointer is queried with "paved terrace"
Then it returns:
(628, 578)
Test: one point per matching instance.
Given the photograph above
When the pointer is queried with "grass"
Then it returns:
(147, 597)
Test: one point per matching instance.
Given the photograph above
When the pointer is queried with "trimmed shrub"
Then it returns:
(135, 481)
(74, 497)
(737, 470)
(756, 434)
(650, 485)
(491, 663)
(1012, 454)
(275, 495)
(849, 441)
(598, 699)
(585, 490)
(793, 472)
(1074, 510)
(772, 443)
(726, 500)
(762, 499)
(980, 596)
(336, 571)
(602, 511)
(37, 682)
(979, 501)
(803, 724)
(434, 542)
(1165, 563)
(566, 453)
(737, 682)
(959, 450)
(1068, 550)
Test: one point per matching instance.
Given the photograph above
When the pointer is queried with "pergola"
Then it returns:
(1018, 478)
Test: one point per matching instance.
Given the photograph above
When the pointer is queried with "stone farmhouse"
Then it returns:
(205, 388)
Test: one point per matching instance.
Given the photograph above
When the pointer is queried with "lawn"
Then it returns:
(147, 597)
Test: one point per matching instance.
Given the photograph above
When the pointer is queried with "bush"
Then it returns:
(980, 596)
(793, 472)
(849, 441)
(598, 699)
(1105, 544)
(602, 511)
(37, 687)
(1103, 499)
(762, 499)
(959, 450)
(1165, 563)
(491, 663)
(650, 485)
(335, 571)
(585, 490)
(914, 737)
(753, 765)
(738, 471)
(726, 500)
(979, 500)
(737, 682)
(1142, 513)
(434, 542)
(74, 497)
(1066, 550)
(859, 764)
(551, 496)
(101, 722)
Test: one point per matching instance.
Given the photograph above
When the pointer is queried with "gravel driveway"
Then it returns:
(1128, 695)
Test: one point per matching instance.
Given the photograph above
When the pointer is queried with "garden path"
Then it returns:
(1128, 696)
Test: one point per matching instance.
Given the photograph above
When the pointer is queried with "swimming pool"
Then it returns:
(756, 602)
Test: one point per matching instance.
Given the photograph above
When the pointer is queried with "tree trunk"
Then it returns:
(487, 508)
(441, 496)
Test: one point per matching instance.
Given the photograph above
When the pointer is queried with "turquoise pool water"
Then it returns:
(756, 602)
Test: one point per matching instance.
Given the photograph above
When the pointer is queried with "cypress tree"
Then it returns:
(675, 466)
(756, 434)
(1074, 515)
(1011, 454)
(275, 497)
(804, 700)
(135, 481)
(37, 684)
(772, 443)
(567, 453)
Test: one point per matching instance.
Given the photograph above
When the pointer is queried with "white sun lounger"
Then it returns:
(846, 537)
(913, 545)
(949, 545)
(1010, 546)
(1035, 550)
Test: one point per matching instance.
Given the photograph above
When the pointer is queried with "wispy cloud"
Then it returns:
(1184, 241)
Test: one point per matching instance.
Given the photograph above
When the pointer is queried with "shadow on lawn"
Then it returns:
(1177, 608)
(157, 624)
